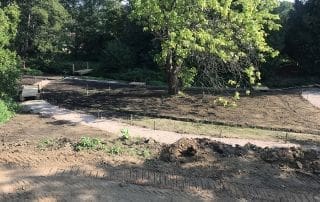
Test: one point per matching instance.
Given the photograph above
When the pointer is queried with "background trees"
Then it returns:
(9, 19)
(43, 33)
(231, 31)
(303, 35)
(180, 42)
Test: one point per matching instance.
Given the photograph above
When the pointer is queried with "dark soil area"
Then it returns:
(278, 110)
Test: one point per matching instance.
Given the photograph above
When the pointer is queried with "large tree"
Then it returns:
(42, 32)
(9, 18)
(226, 29)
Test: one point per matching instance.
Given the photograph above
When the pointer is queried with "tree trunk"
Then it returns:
(172, 75)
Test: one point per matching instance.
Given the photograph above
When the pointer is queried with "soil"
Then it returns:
(188, 170)
(278, 110)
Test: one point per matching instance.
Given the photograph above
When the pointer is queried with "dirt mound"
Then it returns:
(184, 150)
(192, 150)
(294, 158)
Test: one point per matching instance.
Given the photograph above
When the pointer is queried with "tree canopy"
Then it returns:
(186, 42)
(303, 35)
(9, 19)
(222, 28)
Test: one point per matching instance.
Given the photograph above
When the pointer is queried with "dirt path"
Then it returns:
(313, 96)
(47, 110)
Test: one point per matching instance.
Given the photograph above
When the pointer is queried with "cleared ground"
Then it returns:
(281, 110)
(31, 169)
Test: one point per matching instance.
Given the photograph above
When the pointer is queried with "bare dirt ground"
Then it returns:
(189, 170)
(280, 110)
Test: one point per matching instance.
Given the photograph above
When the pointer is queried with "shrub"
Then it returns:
(87, 143)
(7, 109)
(116, 150)
(125, 134)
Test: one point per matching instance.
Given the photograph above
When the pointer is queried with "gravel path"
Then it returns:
(313, 96)
(47, 110)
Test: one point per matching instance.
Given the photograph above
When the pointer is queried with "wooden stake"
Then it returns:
(73, 69)
(87, 90)
(154, 125)
(131, 119)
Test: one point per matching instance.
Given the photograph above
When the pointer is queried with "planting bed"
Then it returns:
(280, 110)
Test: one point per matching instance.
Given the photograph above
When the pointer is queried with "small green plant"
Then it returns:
(221, 102)
(236, 96)
(45, 143)
(145, 153)
(116, 150)
(225, 102)
(87, 143)
(125, 134)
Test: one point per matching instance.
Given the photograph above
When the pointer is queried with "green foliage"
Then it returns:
(7, 109)
(226, 102)
(186, 76)
(145, 153)
(302, 36)
(87, 143)
(45, 143)
(32, 72)
(43, 35)
(125, 134)
(222, 29)
(9, 19)
(116, 150)
(117, 56)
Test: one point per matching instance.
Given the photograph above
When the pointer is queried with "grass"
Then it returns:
(223, 131)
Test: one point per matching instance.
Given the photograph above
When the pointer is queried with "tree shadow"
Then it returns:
(215, 171)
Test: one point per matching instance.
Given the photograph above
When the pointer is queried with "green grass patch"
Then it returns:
(87, 143)
(45, 143)
(7, 109)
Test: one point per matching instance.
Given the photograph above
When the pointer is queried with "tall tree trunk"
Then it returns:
(172, 75)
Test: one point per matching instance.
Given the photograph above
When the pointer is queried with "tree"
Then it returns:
(223, 29)
(9, 19)
(42, 32)
(302, 38)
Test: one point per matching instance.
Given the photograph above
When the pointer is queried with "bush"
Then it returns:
(87, 143)
(7, 109)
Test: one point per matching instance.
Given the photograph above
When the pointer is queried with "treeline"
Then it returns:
(298, 42)
(180, 43)
(53, 35)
